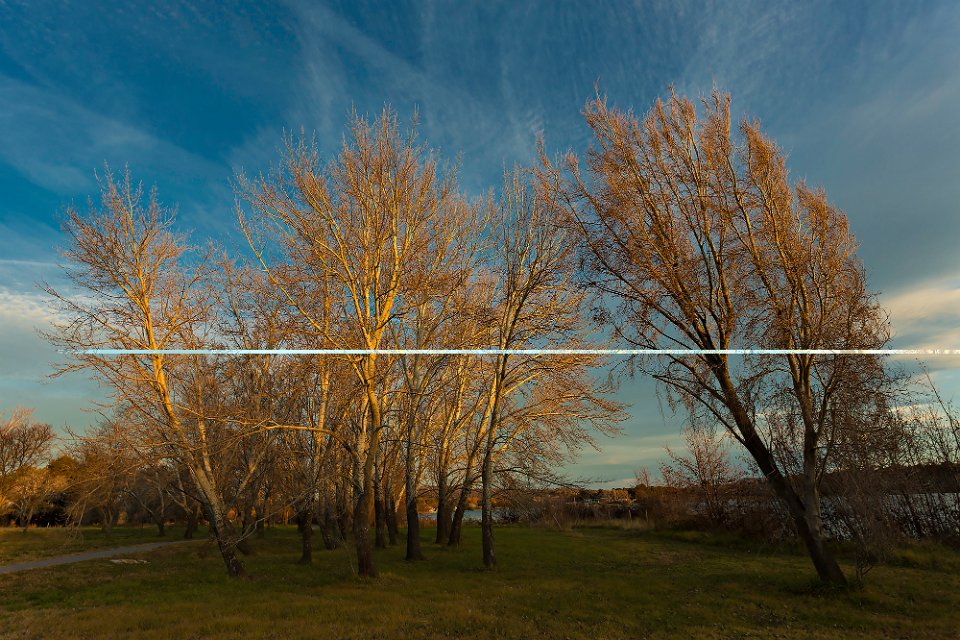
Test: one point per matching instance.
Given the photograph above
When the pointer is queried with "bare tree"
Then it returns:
(705, 243)
(149, 494)
(138, 287)
(104, 472)
(706, 469)
(435, 318)
(24, 445)
(533, 301)
(360, 222)
(32, 490)
(456, 441)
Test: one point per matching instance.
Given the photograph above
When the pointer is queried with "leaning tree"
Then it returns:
(696, 238)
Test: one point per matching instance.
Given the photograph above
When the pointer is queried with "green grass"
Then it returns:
(17, 545)
(585, 583)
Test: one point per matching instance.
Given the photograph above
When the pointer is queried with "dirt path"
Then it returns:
(86, 555)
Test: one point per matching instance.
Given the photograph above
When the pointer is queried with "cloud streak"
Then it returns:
(926, 315)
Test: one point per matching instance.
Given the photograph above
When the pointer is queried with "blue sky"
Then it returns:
(864, 97)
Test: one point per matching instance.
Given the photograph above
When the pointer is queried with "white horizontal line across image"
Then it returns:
(527, 352)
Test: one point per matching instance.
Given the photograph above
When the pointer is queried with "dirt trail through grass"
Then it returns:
(86, 555)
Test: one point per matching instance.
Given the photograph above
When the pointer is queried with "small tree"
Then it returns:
(24, 445)
(706, 470)
(32, 490)
(140, 288)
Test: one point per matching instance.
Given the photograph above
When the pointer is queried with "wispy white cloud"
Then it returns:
(743, 55)
(926, 315)
(57, 143)
(642, 445)
(488, 129)
(26, 359)
(926, 308)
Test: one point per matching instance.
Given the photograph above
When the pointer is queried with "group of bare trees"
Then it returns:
(375, 249)
(678, 231)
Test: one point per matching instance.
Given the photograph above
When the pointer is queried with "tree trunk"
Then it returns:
(305, 527)
(25, 518)
(486, 522)
(443, 517)
(193, 518)
(364, 510)
(106, 523)
(331, 527)
(243, 544)
(413, 515)
(456, 526)
(805, 520)
(261, 522)
(823, 561)
(247, 526)
(361, 534)
(343, 513)
(220, 529)
(234, 566)
(325, 521)
(393, 531)
(380, 516)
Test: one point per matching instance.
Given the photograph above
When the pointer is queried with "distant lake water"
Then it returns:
(469, 514)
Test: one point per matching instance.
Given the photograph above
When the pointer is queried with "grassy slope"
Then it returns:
(589, 583)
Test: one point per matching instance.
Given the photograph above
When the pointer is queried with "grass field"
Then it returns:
(585, 583)
(17, 545)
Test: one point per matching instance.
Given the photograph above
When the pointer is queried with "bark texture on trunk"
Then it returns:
(305, 527)
(361, 534)
(234, 566)
(247, 526)
(380, 516)
(220, 528)
(805, 515)
(193, 521)
(344, 521)
(243, 544)
(413, 522)
(456, 526)
(332, 534)
(364, 509)
(486, 522)
(261, 523)
(414, 552)
(393, 531)
(805, 518)
(443, 512)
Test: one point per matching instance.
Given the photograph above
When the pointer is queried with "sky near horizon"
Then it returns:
(863, 96)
